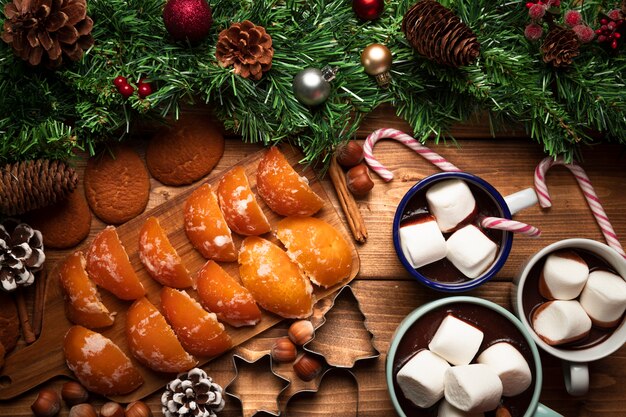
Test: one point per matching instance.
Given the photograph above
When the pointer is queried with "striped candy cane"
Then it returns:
(440, 162)
(407, 140)
(590, 195)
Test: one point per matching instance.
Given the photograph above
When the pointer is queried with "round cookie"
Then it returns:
(64, 224)
(186, 152)
(9, 322)
(117, 188)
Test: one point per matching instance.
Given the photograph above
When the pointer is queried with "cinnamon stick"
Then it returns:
(27, 330)
(347, 202)
(40, 291)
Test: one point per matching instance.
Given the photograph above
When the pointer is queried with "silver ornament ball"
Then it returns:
(311, 87)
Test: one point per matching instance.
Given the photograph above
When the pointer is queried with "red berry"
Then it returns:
(126, 90)
(120, 81)
(604, 21)
(614, 44)
(601, 38)
(556, 3)
(585, 33)
(617, 35)
(533, 32)
(573, 18)
(614, 14)
(537, 11)
(529, 5)
(144, 90)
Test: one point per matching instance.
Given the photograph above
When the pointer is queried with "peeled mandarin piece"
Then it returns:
(206, 227)
(82, 302)
(223, 295)
(152, 341)
(198, 330)
(159, 257)
(241, 210)
(284, 191)
(319, 249)
(108, 265)
(98, 363)
(275, 282)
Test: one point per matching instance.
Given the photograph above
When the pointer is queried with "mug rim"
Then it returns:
(595, 352)
(413, 316)
(506, 245)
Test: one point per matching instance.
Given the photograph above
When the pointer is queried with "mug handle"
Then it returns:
(520, 200)
(576, 375)
(543, 411)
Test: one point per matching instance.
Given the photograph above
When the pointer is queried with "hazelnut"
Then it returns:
(284, 350)
(112, 409)
(349, 154)
(359, 181)
(138, 409)
(73, 393)
(300, 332)
(307, 367)
(47, 404)
(83, 410)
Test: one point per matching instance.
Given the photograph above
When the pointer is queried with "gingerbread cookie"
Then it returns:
(117, 186)
(9, 322)
(186, 152)
(64, 224)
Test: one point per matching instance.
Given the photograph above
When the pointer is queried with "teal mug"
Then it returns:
(417, 328)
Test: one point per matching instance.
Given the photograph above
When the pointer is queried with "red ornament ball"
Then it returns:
(126, 90)
(119, 81)
(187, 19)
(368, 9)
(144, 90)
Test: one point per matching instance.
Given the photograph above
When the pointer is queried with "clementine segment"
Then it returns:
(284, 191)
(82, 301)
(275, 282)
(109, 267)
(159, 257)
(198, 330)
(206, 227)
(98, 363)
(241, 210)
(223, 295)
(152, 341)
(319, 249)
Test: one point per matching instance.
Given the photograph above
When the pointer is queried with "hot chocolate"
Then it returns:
(443, 270)
(532, 299)
(496, 328)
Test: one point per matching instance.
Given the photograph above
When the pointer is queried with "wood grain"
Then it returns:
(387, 294)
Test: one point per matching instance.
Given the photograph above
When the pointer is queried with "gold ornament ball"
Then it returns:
(376, 59)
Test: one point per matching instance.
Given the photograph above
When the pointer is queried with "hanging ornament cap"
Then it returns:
(376, 60)
(311, 86)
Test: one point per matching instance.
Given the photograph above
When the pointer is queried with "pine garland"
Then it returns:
(48, 114)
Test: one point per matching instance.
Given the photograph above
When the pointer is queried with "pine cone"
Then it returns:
(21, 254)
(438, 34)
(246, 46)
(192, 393)
(44, 30)
(29, 185)
(560, 47)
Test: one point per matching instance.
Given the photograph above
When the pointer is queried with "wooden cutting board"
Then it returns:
(44, 359)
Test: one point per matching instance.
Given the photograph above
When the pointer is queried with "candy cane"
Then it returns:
(440, 162)
(590, 195)
(407, 140)
(510, 226)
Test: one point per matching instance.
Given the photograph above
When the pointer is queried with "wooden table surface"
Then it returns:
(387, 293)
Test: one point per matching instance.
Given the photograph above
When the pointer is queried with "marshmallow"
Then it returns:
(448, 410)
(473, 388)
(421, 378)
(563, 276)
(456, 341)
(604, 298)
(561, 321)
(471, 251)
(452, 203)
(422, 242)
(509, 364)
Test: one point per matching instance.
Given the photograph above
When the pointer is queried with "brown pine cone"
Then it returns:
(45, 30)
(438, 34)
(21, 254)
(560, 47)
(246, 46)
(29, 185)
(192, 394)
